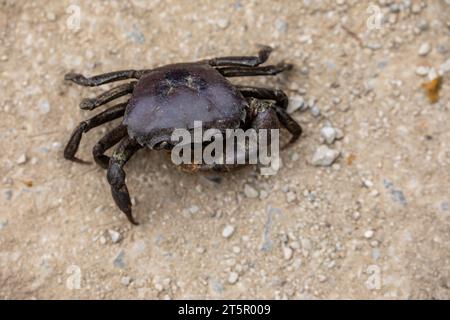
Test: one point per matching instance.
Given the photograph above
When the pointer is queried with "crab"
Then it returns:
(174, 96)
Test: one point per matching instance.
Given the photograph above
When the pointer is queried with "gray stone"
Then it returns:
(324, 156)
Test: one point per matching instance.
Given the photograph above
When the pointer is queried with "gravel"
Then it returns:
(3, 224)
(125, 281)
(281, 25)
(422, 71)
(424, 49)
(250, 192)
(290, 197)
(115, 236)
(22, 159)
(233, 277)
(315, 111)
(287, 252)
(328, 134)
(119, 260)
(8, 194)
(296, 102)
(368, 234)
(324, 156)
(223, 23)
(228, 231)
(44, 106)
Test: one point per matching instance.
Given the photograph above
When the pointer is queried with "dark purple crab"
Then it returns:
(174, 96)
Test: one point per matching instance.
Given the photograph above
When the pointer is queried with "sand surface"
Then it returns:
(374, 224)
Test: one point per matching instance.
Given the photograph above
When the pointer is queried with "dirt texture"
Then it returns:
(372, 223)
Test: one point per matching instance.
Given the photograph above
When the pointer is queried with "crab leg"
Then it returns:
(290, 124)
(105, 77)
(243, 61)
(256, 71)
(108, 141)
(278, 96)
(116, 175)
(105, 97)
(112, 113)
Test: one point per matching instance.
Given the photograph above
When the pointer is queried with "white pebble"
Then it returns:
(223, 23)
(115, 236)
(328, 134)
(296, 103)
(424, 49)
(422, 71)
(339, 133)
(44, 106)
(315, 111)
(324, 156)
(445, 67)
(194, 209)
(369, 234)
(125, 281)
(287, 252)
(233, 277)
(228, 231)
(290, 196)
(22, 159)
(250, 192)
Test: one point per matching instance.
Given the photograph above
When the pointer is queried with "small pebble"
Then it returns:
(51, 16)
(424, 49)
(356, 215)
(8, 194)
(328, 134)
(22, 159)
(223, 23)
(115, 236)
(290, 197)
(339, 133)
(324, 156)
(369, 234)
(442, 48)
(367, 183)
(315, 111)
(228, 231)
(281, 25)
(201, 250)
(119, 260)
(250, 192)
(194, 209)
(44, 106)
(3, 223)
(125, 281)
(287, 252)
(374, 46)
(422, 71)
(233, 277)
(296, 103)
(416, 8)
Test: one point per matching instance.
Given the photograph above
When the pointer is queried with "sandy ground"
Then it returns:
(375, 224)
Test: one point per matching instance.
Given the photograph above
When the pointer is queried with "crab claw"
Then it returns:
(119, 190)
(122, 199)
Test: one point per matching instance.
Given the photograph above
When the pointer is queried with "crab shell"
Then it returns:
(172, 97)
